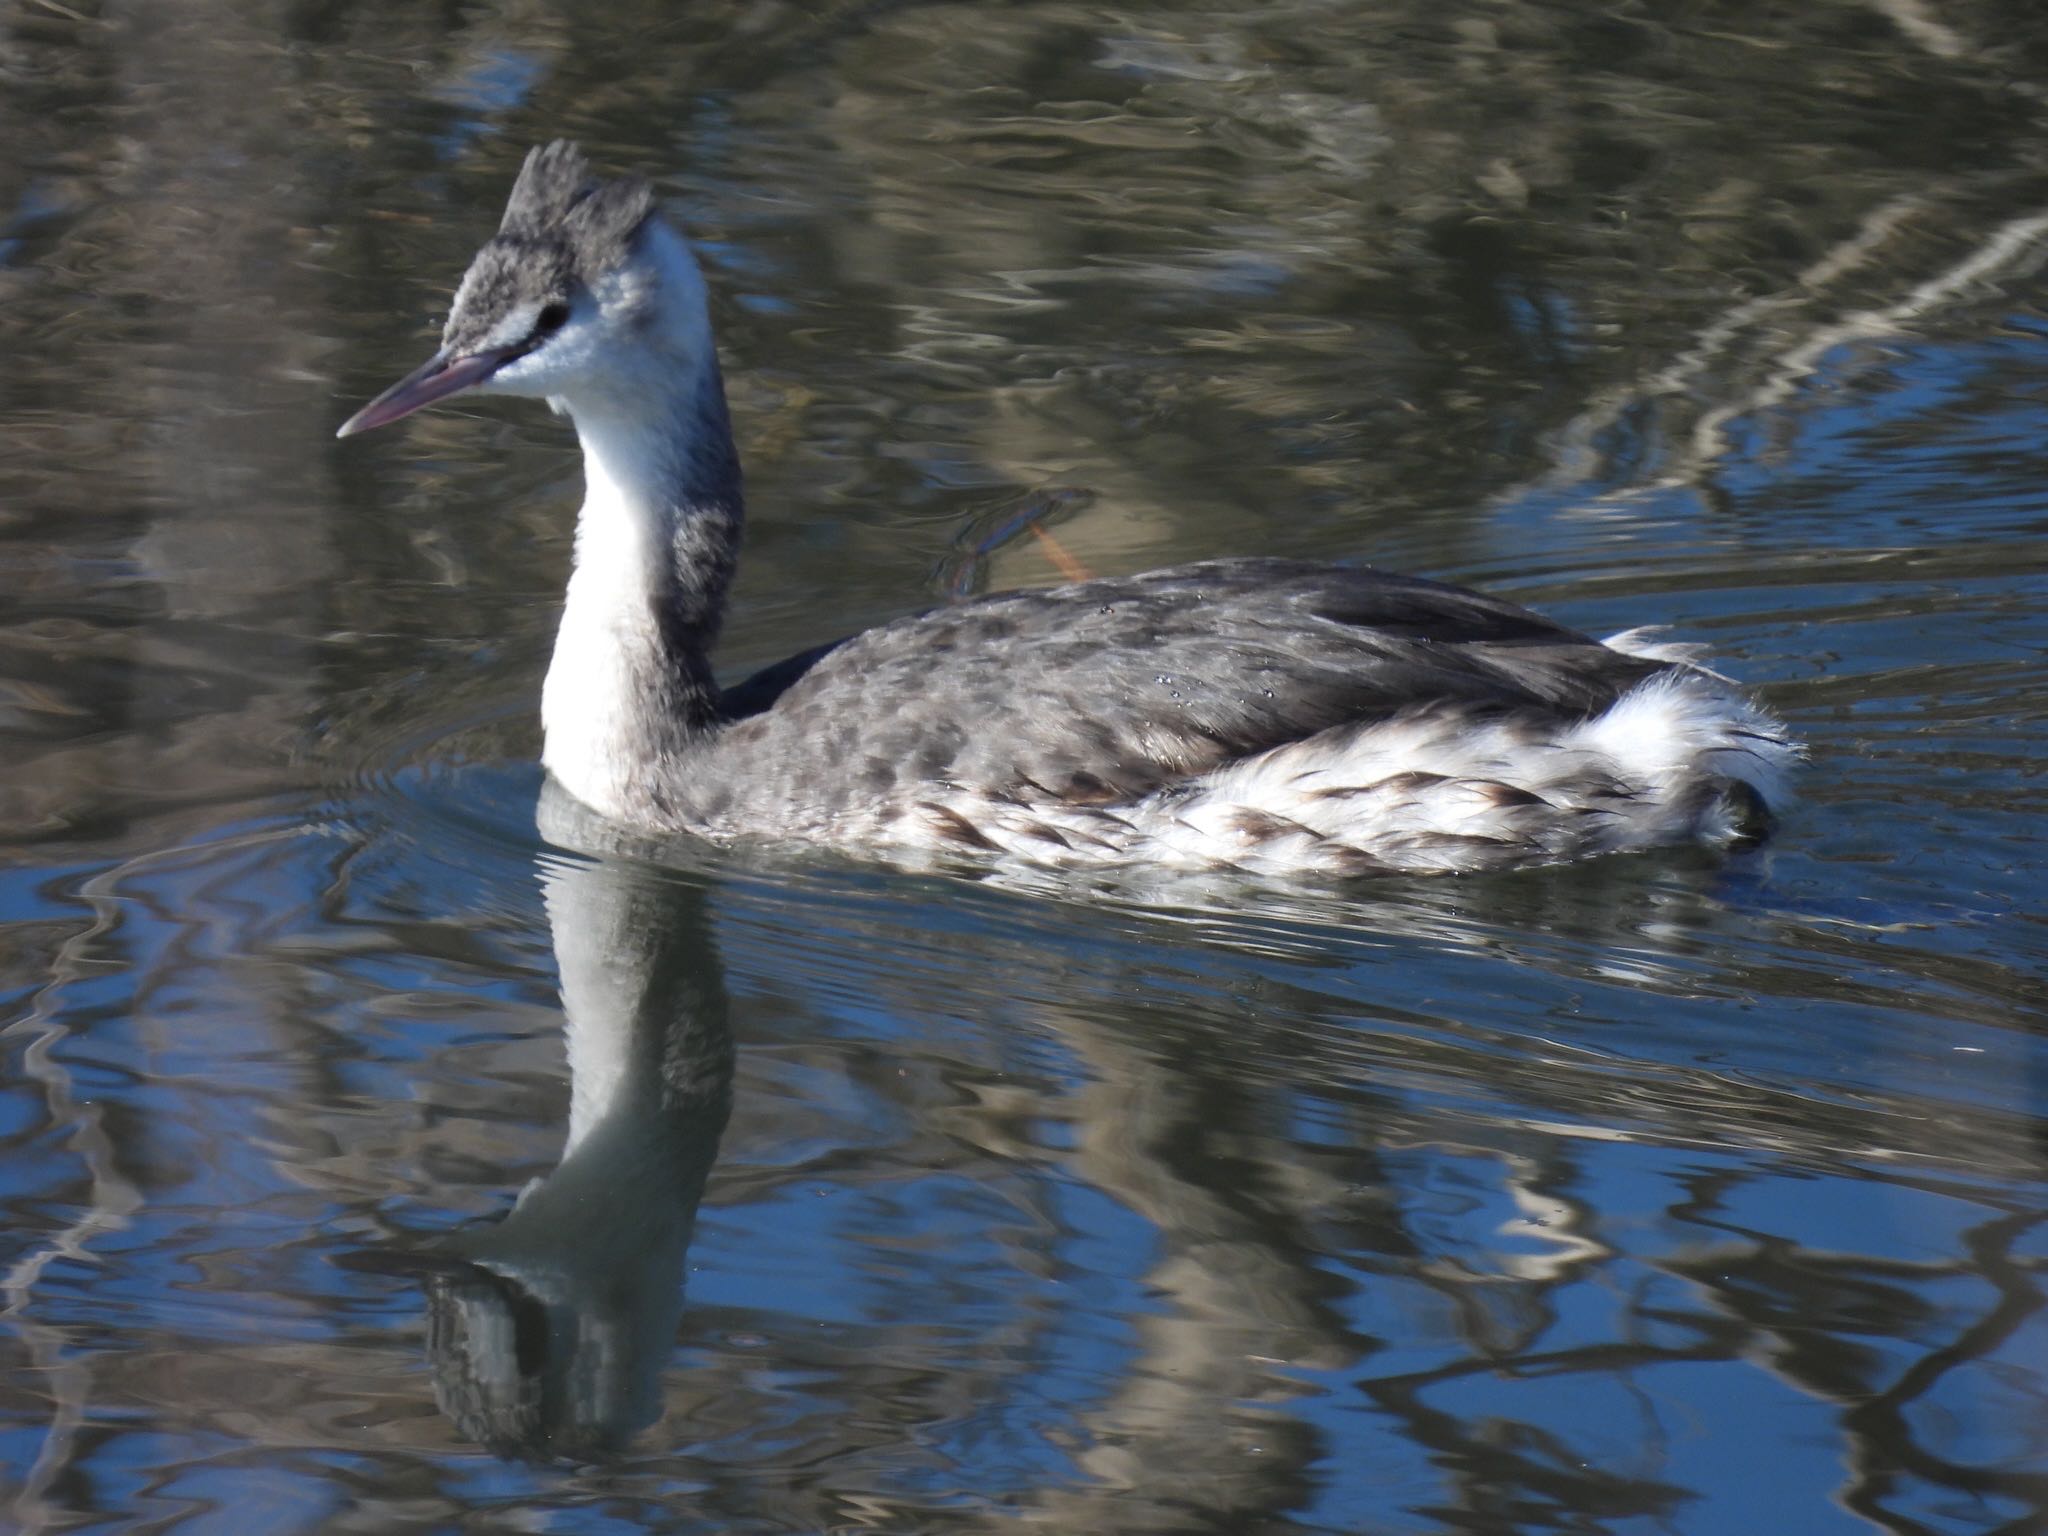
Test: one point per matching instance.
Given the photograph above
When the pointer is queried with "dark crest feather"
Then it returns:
(556, 196)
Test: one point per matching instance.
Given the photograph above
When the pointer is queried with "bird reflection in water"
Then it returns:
(548, 1330)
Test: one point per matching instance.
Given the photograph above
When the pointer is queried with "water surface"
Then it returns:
(384, 1155)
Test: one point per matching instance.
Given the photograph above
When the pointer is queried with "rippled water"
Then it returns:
(378, 1160)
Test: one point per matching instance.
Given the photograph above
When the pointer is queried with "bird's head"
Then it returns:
(583, 292)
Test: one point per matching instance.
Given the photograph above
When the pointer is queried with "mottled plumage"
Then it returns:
(563, 230)
(1102, 692)
(1264, 715)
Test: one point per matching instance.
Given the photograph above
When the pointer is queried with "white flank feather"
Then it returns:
(1681, 757)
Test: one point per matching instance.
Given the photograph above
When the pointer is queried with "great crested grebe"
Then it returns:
(1270, 716)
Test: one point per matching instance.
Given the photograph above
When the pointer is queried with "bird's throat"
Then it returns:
(630, 691)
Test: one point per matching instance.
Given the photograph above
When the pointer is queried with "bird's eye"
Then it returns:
(551, 318)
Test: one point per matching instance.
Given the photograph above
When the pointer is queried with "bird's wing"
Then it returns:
(1106, 690)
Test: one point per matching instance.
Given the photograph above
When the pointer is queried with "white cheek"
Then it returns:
(532, 375)
(550, 369)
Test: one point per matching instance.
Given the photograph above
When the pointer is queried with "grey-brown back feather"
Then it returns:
(1109, 690)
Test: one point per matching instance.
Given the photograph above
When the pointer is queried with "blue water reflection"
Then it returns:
(380, 1157)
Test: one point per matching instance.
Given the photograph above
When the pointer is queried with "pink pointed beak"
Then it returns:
(436, 379)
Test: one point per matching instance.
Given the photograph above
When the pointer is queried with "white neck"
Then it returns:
(630, 688)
